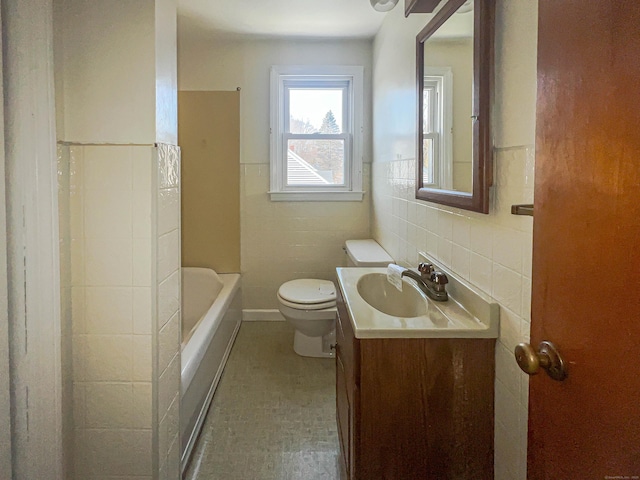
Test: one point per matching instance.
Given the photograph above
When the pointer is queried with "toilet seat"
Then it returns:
(306, 306)
(308, 294)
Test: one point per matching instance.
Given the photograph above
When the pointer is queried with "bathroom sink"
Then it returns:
(375, 289)
(377, 309)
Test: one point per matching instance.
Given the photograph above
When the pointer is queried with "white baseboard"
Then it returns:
(261, 315)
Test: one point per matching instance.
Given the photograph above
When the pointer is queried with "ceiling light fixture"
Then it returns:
(383, 5)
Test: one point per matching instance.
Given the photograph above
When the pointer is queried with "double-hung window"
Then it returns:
(437, 166)
(316, 133)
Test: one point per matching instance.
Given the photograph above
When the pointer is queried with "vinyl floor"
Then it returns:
(273, 413)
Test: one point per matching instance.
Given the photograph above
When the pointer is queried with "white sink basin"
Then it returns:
(378, 310)
(375, 289)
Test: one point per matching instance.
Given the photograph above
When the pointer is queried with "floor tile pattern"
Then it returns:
(273, 414)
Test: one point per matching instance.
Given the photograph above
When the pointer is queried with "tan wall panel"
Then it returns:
(209, 136)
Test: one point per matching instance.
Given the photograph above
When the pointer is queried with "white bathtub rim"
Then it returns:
(196, 347)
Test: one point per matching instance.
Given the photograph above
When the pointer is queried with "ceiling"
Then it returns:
(279, 18)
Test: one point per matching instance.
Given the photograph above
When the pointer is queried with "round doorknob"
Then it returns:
(547, 357)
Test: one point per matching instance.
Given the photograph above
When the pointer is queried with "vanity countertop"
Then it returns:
(443, 319)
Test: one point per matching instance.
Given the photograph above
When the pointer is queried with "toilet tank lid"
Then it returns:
(367, 253)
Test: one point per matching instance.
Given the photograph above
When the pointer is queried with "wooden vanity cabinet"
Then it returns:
(413, 408)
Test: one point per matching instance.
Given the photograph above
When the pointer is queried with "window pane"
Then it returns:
(315, 162)
(313, 110)
(428, 106)
(427, 160)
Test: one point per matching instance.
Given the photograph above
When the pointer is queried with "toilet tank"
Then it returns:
(366, 253)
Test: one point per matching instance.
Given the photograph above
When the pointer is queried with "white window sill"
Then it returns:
(316, 196)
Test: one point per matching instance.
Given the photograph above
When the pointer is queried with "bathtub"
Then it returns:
(211, 316)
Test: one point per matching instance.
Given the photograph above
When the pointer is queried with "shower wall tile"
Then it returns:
(109, 405)
(141, 262)
(168, 341)
(142, 358)
(142, 406)
(142, 312)
(168, 210)
(109, 310)
(110, 204)
(141, 214)
(107, 212)
(168, 253)
(168, 298)
(117, 452)
(108, 358)
(167, 262)
(108, 261)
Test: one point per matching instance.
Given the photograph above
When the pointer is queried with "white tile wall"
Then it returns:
(168, 294)
(125, 308)
(282, 241)
(111, 245)
(66, 301)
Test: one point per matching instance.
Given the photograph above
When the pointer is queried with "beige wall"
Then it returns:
(118, 59)
(209, 136)
(101, 48)
(280, 241)
(491, 251)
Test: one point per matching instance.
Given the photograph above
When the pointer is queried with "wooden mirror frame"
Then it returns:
(483, 61)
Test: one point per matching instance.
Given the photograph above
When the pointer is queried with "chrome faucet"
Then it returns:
(430, 281)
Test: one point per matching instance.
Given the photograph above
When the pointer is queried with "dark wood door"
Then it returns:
(586, 270)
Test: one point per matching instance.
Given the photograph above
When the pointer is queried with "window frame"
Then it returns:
(441, 80)
(351, 78)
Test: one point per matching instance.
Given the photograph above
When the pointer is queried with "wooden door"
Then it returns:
(586, 271)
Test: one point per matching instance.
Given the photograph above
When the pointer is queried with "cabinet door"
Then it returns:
(343, 415)
(349, 345)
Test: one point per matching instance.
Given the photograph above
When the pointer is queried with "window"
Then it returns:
(437, 166)
(316, 133)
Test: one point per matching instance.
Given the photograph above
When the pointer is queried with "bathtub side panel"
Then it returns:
(199, 392)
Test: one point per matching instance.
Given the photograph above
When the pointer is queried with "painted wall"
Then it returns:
(209, 135)
(32, 247)
(280, 241)
(109, 71)
(491, 251)
(5, 392)
(118, 59)
(166, 86)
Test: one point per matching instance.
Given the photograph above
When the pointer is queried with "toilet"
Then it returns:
(310, 304)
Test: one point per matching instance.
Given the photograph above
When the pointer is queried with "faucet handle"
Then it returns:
(425, 268)
(439, 278)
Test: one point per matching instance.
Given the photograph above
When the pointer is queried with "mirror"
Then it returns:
(454, 55)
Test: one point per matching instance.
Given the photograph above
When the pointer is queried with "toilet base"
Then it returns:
(316, 347)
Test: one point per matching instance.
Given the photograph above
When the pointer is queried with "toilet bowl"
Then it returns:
(310, 306)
